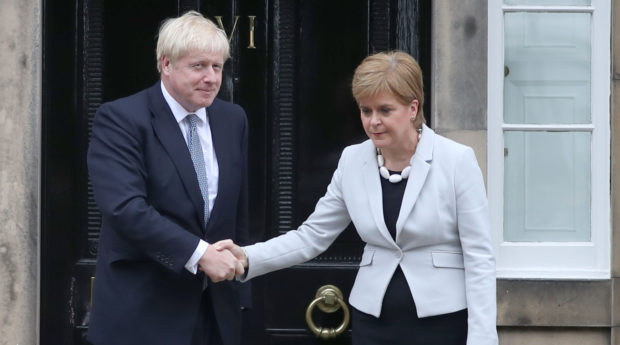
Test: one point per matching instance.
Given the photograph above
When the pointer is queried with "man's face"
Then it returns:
(194, 79)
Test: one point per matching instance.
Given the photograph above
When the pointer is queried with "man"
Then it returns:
(168, 168)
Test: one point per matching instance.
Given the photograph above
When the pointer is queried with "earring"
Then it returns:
(412, 118)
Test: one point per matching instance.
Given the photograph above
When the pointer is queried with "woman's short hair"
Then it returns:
(395, 73)
(190, 32)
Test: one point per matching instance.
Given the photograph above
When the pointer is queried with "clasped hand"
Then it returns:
(223, 260)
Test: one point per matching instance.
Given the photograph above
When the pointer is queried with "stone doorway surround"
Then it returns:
(20, 157)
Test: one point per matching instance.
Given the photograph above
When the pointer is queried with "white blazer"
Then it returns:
(443, 238)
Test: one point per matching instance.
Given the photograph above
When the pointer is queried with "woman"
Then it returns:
(427, 274)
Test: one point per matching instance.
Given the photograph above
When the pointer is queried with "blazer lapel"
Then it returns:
(218, 137)
(420, 165)
(167, 130)
(372, 185)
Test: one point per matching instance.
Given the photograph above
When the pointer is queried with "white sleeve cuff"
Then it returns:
(192, 264)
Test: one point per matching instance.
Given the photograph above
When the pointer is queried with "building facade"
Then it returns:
(555, 286)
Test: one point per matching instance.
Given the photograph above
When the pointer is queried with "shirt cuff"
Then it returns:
(192, 263)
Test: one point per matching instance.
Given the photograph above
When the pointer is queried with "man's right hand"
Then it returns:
(220, 265)
(238, 252)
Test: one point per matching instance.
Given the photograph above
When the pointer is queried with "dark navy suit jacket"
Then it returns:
(147, 191)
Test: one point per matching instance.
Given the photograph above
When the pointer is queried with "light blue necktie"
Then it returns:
(195, 149)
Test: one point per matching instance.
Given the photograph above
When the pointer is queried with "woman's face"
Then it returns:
(387, 121)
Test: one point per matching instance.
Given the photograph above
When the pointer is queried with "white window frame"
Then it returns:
(553, 260)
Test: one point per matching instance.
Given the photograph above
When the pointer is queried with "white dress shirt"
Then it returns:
(210, 159)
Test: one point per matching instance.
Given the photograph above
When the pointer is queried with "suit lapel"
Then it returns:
(372, 185)
(218, 136)
(420, 165)
(167, 130)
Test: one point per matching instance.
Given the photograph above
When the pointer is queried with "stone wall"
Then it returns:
(20, 128)
(459, 73)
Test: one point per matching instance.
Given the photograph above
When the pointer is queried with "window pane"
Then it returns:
(547, 58)
(549, 2)
(547, 186)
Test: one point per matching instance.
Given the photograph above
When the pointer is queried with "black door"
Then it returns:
(291, 70)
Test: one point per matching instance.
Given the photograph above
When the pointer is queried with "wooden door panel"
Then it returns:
(297, 339)
(291, 291)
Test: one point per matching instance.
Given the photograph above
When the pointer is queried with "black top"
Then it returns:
(392, 199)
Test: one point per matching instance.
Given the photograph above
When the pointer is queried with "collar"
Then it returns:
(177, 109)
(425, 145)
(423, 151)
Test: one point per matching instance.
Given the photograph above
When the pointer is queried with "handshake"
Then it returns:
(223, 260)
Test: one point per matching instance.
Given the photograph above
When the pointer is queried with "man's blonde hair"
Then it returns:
(190, 32)
(394, 73)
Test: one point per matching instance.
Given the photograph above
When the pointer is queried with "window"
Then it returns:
(548, 137)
